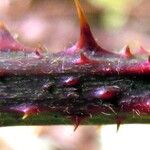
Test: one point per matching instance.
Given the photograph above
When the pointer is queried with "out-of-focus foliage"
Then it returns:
(116, 11)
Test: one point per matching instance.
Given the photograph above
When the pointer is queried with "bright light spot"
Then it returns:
(33, 28)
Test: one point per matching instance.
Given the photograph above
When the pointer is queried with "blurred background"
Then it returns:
(54, 25)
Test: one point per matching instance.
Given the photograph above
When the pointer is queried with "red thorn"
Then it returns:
(26, 110)
(86, 38)
(6, 39)
(30, 111)
(119, 121)
(76, 121)
(126, 52)
(85, 60)
(86, 41)
(40, 50)
(38, 54)
(8, 43)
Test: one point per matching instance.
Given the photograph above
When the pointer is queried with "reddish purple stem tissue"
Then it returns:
(86, 79)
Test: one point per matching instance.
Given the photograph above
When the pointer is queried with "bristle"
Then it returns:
(139, 106)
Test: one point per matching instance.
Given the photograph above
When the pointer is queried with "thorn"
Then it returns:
(26, 110)
(6, 39)
(119, 121)
(76, 121)
(38, 53)
(118, 126)
(30, 110)
(85, 60)
(9, 43)
(126, 52)
(86, 40)
(41, 47)
(81, 14)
